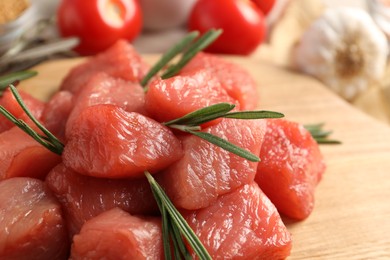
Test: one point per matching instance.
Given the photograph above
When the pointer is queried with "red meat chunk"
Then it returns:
(237, 82)
(104, 89)
(291, 167)
(206, 170)
(243, 224)
(22, 156)
(177, 96)
(116, 234)
(56, 113)
(31, 223)
(106, 141)
(84, 197)
(8, 101)
(119, 61)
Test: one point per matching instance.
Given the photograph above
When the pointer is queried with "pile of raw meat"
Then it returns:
(93, 201)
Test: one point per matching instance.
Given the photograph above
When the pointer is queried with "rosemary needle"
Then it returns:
(177, 221)
(259, 114)
(226, 145)
(181, 249)
(320, 135)
(165, 227)
(203, 115)
(8, 79)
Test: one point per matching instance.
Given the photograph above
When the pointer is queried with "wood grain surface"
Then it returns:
(351, 219)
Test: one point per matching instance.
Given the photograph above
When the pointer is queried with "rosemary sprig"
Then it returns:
(187, 48)
(220, 110)
(179, 226)
(8, 79)
(191, 122)
(204, 41)
(48, 140)
(168, 56)
(320, 135)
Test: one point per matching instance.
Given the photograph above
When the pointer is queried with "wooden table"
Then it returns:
(351, 219)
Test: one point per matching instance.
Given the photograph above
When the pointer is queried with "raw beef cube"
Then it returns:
(104, 89)
(8, 101)
(56, 113)
(22, 156)
(106, 141)
(177, 96)
(119, 61)
(243, 224)
(237, 82)
(291, 167)
(31, 224)
(206, 170)
(84, 197)
(115, 234)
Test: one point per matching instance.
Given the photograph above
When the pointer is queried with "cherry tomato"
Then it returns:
(265, 5)
(242, 22)
(99, 23)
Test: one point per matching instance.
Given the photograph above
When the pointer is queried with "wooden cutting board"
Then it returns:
(351, 219)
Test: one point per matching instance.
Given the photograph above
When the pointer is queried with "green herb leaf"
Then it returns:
(226, 145)
(320, 135)
(202, 115)
(204, 41)
(181, 249)
(176, 252)
(165, 230)
(177, 220)
(314, 127)
(8, 79)
(254, 114)
(320, 140)
(185, 128)
(165, 227)
(169, 55)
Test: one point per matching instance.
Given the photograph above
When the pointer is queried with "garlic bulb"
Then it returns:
(344, 49)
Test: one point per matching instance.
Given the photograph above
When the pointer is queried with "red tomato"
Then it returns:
(99, 23)
(265, 5)
(242, 22)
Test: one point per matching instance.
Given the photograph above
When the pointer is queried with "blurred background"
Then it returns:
(344, 44)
